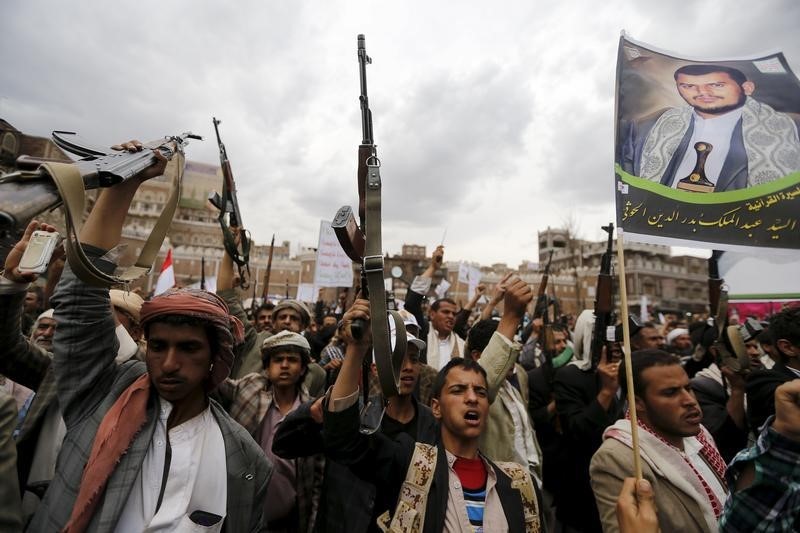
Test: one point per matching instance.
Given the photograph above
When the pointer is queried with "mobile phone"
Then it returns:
(39, 251)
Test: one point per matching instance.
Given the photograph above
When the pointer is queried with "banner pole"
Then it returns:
(626, 349)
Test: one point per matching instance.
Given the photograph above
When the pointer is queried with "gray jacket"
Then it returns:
(89, 382)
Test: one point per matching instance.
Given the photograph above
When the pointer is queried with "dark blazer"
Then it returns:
(713, 399)
(734, 171)
(348, 501)
(89, 382)
(761, 386)
(31, 366)
(379, 459)
(583, 421)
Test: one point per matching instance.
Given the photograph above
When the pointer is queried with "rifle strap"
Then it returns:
(69, 182)
(388, 362)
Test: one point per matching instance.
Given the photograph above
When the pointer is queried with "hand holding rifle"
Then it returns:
(608, 371)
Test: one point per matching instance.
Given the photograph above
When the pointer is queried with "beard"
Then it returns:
(724, 109)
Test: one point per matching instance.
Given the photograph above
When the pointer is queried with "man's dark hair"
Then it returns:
(785, 325)
(479, 335)
(266, 306)
(701, 70)
(435, 305)
(466, 364)
(186, 320)
(641, 361)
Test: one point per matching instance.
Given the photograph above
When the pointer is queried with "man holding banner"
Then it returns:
(680, 459)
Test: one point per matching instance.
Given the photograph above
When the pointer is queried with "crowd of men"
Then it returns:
(182, 413)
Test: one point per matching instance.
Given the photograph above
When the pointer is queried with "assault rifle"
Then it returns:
(203, 272)
(604, 300)
(31, 190)
(229, 203)
(362, 244)
(543, 310)
(268, 273)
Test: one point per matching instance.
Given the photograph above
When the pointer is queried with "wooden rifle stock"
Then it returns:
(604, 301)
(228, 202)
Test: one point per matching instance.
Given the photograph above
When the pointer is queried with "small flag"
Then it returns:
(166, 279)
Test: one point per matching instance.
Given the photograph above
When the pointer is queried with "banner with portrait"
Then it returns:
(707, 151)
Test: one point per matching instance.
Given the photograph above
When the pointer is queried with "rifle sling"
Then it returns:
(70, 186)
(388, 362)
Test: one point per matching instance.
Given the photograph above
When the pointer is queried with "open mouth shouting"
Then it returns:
(472, 418)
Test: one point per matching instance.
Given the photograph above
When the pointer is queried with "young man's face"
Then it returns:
(669, 405)
(43, 333)
(31, 301)
(179, 361)
(463, 405)
(264, 320)
(559, 341)
(713, 94)
(409, 372)
(754, 354)
(285, 369)
(444, 318)
(288, 319)
(648, 339)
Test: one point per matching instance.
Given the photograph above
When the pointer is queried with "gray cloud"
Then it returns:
(491, 122)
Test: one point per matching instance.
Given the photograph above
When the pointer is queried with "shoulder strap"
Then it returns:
(521, 481)
(70, 186)
(409, 516)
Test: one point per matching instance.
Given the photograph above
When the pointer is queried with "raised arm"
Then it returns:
(501, 353)
(20, 359)
(420, 287)
(85, 343)
(248, 353)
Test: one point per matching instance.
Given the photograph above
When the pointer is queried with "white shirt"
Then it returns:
(716, 131)
(197, 479)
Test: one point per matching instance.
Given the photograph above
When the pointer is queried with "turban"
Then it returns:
(130, 302)
(285, 338)
(674, 334)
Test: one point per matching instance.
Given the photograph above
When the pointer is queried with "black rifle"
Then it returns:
(547, 342)
(30, 190)
(203, 272)
(268, 273)
(229, 203)
(604, 300)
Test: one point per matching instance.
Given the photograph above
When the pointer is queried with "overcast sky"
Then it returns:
(493, 119)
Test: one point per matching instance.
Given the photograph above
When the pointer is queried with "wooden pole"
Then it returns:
(626, 335)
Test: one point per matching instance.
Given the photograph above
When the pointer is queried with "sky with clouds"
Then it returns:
(493, 120)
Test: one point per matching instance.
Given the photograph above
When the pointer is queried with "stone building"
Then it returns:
(675, 283)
